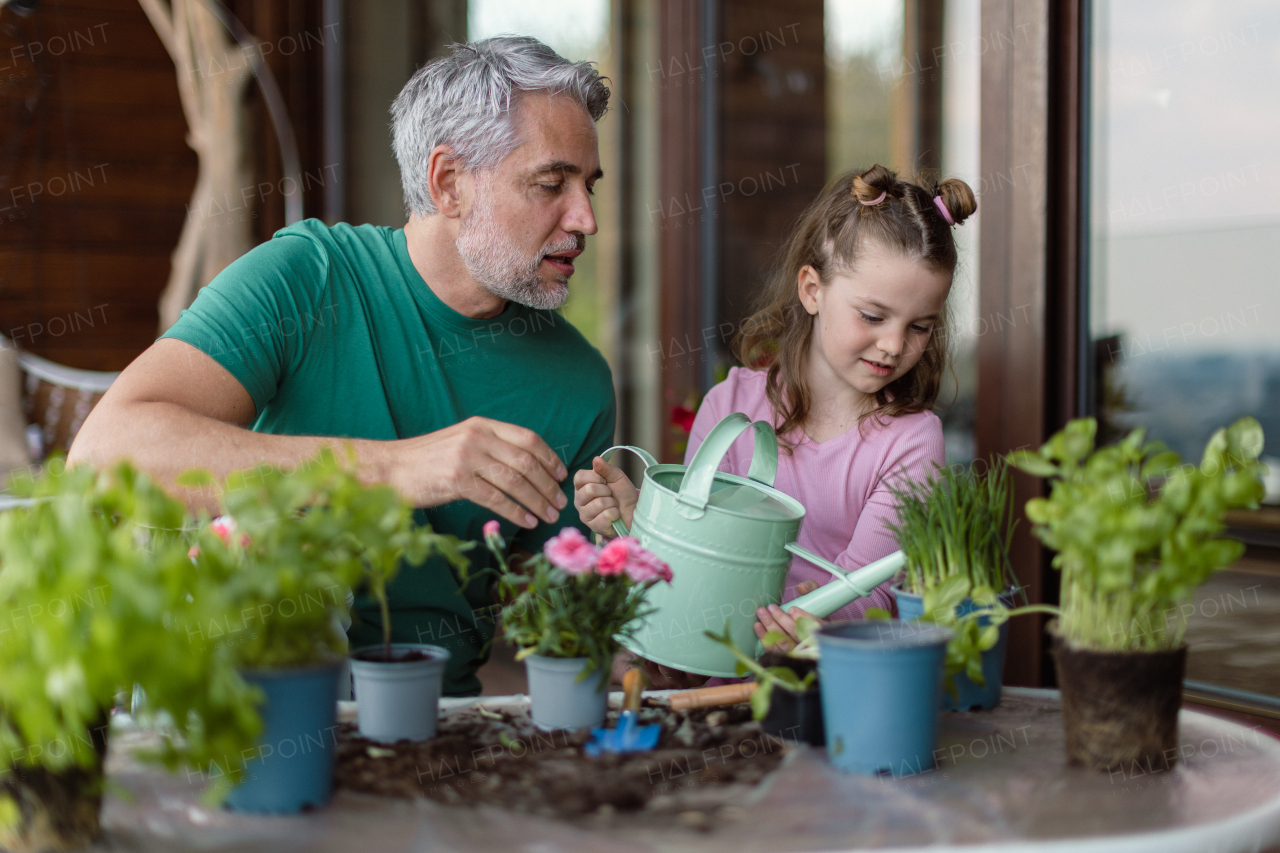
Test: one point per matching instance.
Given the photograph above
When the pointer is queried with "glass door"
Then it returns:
(1184, 272)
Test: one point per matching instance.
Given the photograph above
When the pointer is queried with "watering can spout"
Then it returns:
(847, 586)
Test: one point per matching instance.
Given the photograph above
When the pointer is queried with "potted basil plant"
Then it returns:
(1136, 532)
(565, 609)
(97, 591)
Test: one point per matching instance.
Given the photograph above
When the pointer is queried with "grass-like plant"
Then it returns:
(954, 530)
(958, 522)
(1136, 531)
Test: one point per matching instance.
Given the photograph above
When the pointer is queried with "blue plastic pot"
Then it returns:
(293, 765)
(971, 696)
(881, 690)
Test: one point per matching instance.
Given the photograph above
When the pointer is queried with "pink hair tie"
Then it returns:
(942, 208)
(875, 200)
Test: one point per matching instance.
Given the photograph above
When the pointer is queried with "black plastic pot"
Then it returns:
(56, 811)
(794, 716)
(1120, 708)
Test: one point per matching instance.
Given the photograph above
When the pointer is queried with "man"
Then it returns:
(436, 347)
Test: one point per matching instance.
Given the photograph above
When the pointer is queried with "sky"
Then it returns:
(1187, 113)
(1186, 174)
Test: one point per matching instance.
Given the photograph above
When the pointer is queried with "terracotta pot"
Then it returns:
(1120, 708)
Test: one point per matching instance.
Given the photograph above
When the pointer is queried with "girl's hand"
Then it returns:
(604, 495)
(773, 618)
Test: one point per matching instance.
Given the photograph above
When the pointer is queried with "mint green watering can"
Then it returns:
(729, 542)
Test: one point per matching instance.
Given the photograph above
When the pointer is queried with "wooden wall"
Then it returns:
(1015, 379)
(773, 139)
(766, 63)
(95, 172)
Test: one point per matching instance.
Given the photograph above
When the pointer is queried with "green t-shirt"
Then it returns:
(332, 332)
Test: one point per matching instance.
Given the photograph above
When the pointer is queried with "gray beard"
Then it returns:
(502, 269)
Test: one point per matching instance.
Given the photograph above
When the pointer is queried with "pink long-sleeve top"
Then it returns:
(843, 482)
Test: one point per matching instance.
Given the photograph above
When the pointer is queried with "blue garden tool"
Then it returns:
(628, 736)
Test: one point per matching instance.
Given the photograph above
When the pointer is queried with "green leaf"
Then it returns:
(195, 478)
(1160, 465)
(1032, 463)
(760, 700)
(1245, 440)
(807, 627)
(772, 638)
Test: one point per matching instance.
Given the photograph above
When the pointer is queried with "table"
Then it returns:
(1001, 785)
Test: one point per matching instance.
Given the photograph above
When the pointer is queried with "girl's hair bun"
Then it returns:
(873, 183)
(959, 199)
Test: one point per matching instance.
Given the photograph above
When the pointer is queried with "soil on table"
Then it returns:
(708, 760)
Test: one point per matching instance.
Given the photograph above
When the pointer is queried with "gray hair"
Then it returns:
(466, 101)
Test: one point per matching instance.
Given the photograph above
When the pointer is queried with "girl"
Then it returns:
(846, 354)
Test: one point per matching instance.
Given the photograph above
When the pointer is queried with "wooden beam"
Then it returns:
(679, 194)
(917, 115)
(1012, 378)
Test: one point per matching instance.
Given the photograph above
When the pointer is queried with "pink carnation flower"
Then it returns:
(225, 526)
(570, 550)
(492, 528)
(624, 554)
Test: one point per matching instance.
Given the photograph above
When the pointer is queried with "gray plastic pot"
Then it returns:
(559, 700)
(398, 700)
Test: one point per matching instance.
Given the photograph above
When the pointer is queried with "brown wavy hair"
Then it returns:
(830, 236)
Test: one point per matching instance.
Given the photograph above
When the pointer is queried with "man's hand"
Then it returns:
(500, 466)
(604, 495)
(774, 618)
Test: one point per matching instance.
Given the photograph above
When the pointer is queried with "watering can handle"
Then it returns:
(645, 457)
(695, 488)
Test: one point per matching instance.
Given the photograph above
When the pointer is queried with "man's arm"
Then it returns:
(176, 408)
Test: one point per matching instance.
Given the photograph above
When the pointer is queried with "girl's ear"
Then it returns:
(809, 285)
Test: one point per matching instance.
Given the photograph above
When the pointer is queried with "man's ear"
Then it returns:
(442, 181)
(808, 283)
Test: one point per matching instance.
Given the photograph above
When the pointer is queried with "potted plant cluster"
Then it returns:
(787, 700)
(97, 592)
(955, 530)
(285, 556)
(1136, 532)
(565, 609)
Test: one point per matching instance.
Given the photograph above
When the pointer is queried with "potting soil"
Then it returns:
(707, 761)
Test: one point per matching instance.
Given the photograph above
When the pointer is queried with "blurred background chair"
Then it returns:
(42, 405)
(56, 400)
